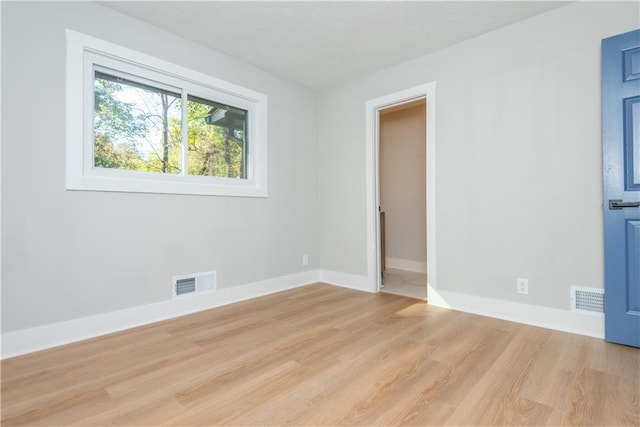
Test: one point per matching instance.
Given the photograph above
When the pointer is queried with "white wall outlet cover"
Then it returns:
(522, 286)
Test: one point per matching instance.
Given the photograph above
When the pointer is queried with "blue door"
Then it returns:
(621, 171)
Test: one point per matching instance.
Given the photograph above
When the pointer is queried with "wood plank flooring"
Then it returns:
(323, 355)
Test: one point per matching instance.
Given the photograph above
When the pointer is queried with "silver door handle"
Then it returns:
(619, 204)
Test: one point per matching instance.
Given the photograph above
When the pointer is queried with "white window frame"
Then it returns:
(84, 53)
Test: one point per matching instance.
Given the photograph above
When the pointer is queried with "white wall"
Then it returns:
(403, 185)
(519, 176)
(71, 254)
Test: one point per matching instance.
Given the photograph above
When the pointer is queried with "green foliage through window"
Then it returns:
(139, 127)
(213, 150)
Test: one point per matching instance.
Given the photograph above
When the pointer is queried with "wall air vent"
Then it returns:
(185, 286)
(587, 300)
(191, 284)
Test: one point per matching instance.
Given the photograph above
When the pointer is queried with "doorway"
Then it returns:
(427, 94)
(402, 177)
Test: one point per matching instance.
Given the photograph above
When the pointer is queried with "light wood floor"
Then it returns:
(322, 355)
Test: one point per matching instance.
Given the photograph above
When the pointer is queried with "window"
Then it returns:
(137, 123)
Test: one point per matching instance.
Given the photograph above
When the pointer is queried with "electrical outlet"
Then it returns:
(522, 286)
(305, 259)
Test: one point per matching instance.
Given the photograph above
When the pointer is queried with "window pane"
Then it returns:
(217, 139)
(135, 126)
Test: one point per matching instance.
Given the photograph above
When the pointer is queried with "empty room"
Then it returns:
(204, 207)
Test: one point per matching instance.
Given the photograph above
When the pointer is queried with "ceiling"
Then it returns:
(322, 43)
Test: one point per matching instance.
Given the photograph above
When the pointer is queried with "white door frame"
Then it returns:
(373, 107)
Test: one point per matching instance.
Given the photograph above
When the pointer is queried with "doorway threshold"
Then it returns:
(406, 283)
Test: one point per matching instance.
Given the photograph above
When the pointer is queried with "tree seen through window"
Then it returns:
(138, 127)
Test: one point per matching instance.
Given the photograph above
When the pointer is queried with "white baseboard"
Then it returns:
(345, 280)
(406, 264)
(535, 315)
(52, 335)
(55, 334)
